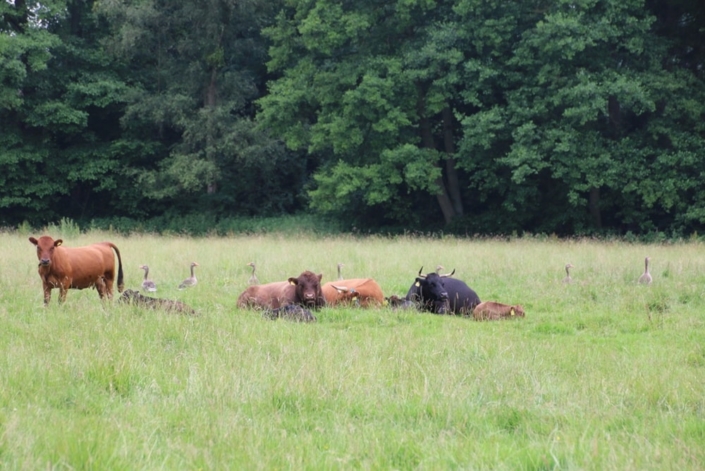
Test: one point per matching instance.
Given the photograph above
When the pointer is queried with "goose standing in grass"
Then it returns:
(147, 284)
(567, 278)
(190, 281)
(253, 279)
(340, 276)
(646, 279)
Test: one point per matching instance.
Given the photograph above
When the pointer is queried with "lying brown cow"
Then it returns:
(304, 290)
(77, 268)
(364, 292)
(136, 299)
(490, 311)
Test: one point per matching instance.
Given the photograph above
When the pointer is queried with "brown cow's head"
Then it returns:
(346, 295)
(308, 289)
(45, 248)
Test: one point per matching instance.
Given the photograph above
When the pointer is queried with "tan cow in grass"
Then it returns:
(365, 292)
(77, 267)
(490, 311)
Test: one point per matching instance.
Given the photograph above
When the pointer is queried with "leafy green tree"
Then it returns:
(197, 67)
(24, 52)
(60, 102)
(591, 110)
(545, 115)
(542, 115)
(369, 88)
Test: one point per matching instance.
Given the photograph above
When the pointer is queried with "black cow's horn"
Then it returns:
(448, 274)
(420, 270)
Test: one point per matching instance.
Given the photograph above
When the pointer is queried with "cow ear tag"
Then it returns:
(511, 312)
(417, 284)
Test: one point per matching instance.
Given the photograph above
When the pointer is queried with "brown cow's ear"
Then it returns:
(33, 240)
(320, 277)
(58, 242)
(293, 281)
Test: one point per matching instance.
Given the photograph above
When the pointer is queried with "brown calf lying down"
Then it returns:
(292, 312)
(490, 311)
(136, 299)
(364, 292)
(304, 290)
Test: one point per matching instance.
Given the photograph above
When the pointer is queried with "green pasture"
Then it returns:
(601, 374)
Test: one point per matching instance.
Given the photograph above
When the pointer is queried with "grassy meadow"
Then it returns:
(601, 374)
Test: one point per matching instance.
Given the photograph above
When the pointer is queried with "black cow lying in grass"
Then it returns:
(292, 312)
(441, 294)
(136, 299)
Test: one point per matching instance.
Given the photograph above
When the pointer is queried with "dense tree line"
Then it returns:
(469, 115)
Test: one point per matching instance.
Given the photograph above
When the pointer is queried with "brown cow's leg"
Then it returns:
(100, 287)
(47, 294)
(62, 293)
(109, 279)
(108, 286)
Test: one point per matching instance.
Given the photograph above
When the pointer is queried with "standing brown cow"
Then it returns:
(304, 290)
(77, 268)
(364, 291)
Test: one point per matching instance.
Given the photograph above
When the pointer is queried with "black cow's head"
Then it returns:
(431, 292)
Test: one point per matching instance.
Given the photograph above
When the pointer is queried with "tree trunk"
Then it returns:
(451, 172)
(428, 143)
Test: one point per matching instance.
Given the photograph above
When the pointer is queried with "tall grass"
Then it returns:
(601, 374)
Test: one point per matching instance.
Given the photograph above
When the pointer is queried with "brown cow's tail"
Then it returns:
(120, 280)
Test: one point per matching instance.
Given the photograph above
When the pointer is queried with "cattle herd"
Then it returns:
(94, 266)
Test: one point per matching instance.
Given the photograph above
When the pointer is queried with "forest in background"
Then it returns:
(465, 116)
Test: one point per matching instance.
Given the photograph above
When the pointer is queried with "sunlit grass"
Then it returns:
(601, 374)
